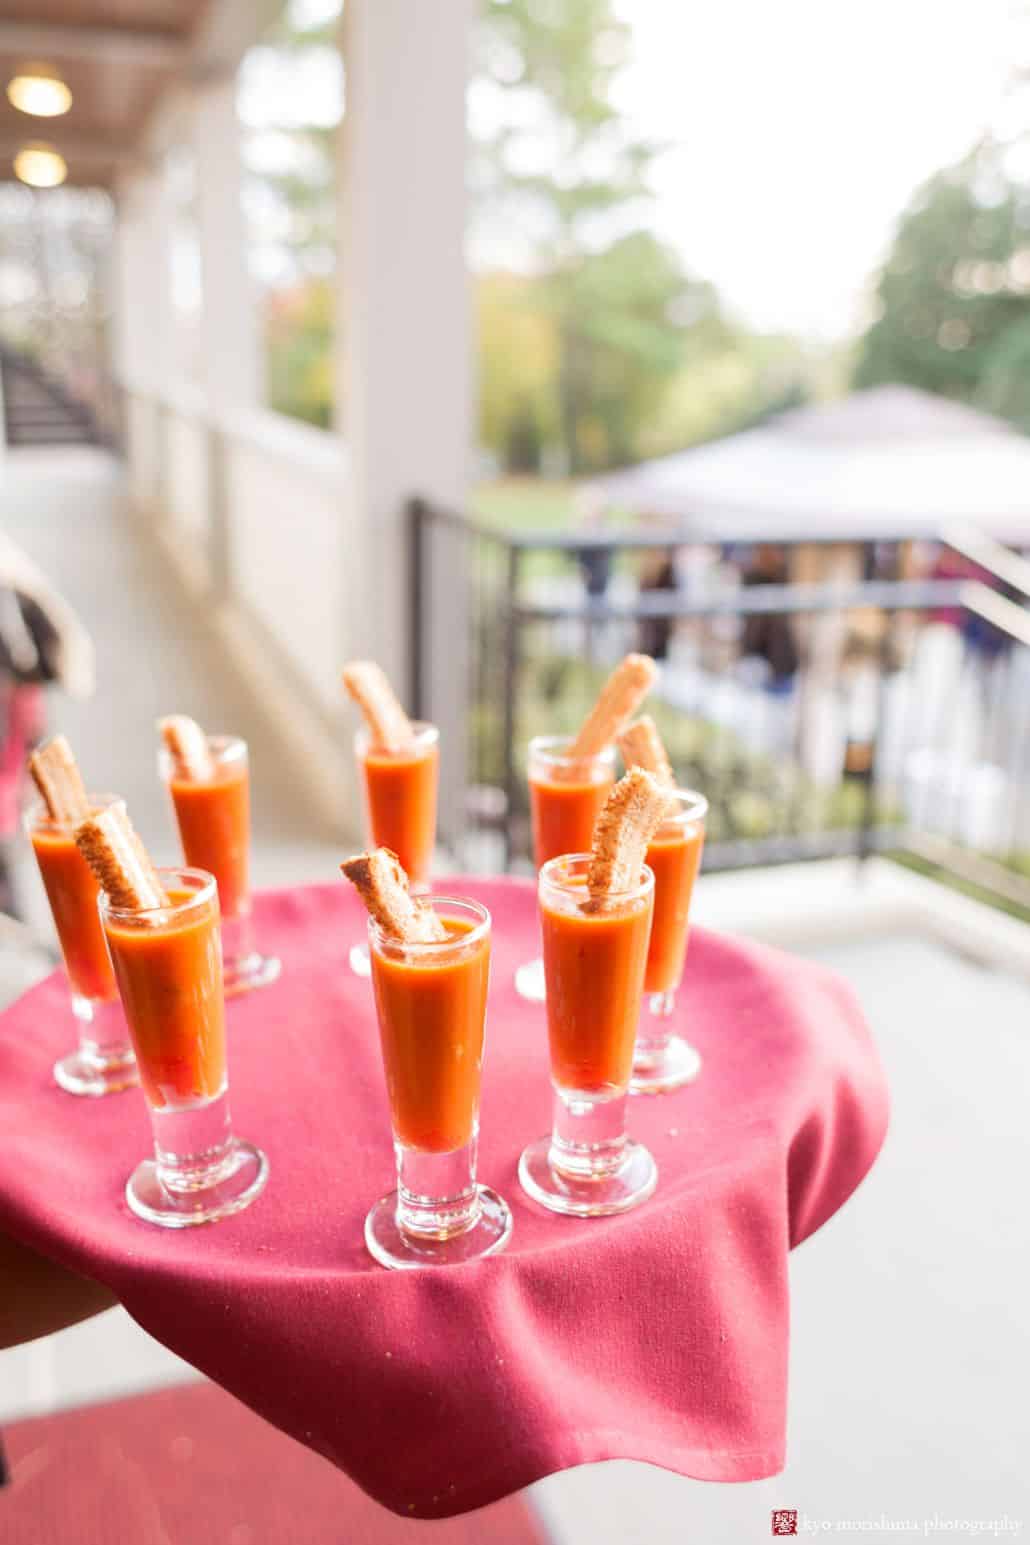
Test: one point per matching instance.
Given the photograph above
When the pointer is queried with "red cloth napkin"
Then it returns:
(660, 1335)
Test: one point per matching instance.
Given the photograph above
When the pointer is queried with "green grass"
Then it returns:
(539, 504)
(526, 504)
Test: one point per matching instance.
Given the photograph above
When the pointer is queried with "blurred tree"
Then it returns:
(518, 354)
(557, 148)
(956, 283)
(556, 154)
(627, 320)
(1005, 387)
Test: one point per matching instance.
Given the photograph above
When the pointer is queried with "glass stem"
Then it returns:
(193, 1144)
(653, 1031)
(238, 936)
(436, 1192)
(103, 1034)
(588, 1140)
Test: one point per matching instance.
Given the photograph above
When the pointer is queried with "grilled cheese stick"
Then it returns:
(382, 884)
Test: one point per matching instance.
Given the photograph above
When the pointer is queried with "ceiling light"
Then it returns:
(40, 93)
(41, 166)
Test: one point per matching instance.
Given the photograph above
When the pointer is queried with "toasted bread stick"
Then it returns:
(111, 847)
(187, 746)
(641, 746)
(382, 885)
(389, 727)
(56, 775)
(619, 698)
(633, 812)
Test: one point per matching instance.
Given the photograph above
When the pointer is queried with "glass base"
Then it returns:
(360, 960)
(656, 1070)
(245, 972)
(387, 1243)
(80, 1073)
(530, 983)
(234, 1187)
(615, 1190)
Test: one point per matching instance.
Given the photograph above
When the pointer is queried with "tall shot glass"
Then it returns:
(399, 790)
(663, 1061)
(168, 963)
(594, 962)
(431, 1005)
(566, 795)
(104, 1061)
(213, 817)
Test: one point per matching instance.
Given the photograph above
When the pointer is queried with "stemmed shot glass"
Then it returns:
(566, 795)
(661, 1060)
(168, 964)
(431, 1006)
(213, 817)
(594, 960)
(103, 1061)
(399, 790)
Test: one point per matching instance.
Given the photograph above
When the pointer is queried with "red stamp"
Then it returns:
(785, 1520)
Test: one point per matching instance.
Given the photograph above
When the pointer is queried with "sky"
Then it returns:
(798, 131)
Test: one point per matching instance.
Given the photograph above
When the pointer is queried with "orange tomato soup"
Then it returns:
(564, 811)
(432, 1013)
(400, 802)
(72, 893)
(675, 857)
(594, 965)
(214, 827)
(170, 978)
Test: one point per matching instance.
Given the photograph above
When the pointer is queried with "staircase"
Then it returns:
(38, 410)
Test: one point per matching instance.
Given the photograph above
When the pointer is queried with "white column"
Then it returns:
(231, 361)
(142, 325)
(404, 328)
(231, 364)
(142, 319)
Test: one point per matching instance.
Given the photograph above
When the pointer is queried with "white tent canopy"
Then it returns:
(886, 463)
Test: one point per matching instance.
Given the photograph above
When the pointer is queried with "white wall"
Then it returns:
(143, 448)
(289, 526)
(185, 486)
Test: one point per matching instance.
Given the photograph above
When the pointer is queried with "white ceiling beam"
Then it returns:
(41, 41)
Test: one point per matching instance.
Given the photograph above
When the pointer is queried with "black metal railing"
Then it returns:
(855, 714)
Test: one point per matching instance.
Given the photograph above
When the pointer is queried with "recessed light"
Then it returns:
(40, 93)
(40, 166)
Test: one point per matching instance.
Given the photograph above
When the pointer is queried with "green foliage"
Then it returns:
(619, 311)
(1005, 384)
(623, 317)
(298, 328)
(955, 290)
(561, 56)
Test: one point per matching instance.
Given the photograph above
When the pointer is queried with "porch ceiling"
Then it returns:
(116, 56)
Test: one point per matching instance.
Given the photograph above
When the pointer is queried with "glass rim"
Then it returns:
(379, 939)
(546, 747)
(225, 749)
(207, 889)
(694, 807)
(425, 735)
(36, 817)
(547, 876)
